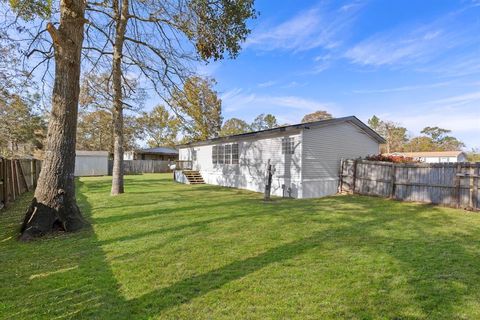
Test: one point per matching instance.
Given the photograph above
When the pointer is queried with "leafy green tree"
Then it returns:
(200, 107)
(26, 129)
(474, 155)
(420, 144)
(394, 134)
(234, 126)
(317, 116)
(159, 127)
(435, 133)
(95, 131)
(264, 122)
(442, 141)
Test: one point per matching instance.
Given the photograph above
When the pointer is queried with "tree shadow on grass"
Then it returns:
(73, 278)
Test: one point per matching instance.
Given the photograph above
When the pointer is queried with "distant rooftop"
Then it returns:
(428, 154)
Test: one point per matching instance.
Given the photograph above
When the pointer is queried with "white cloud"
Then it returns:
(459, 100)
(237, 101)
(421, 44)
(317, 27)
(207, 69)
(266, 84)
(388, 49)
(404, 88)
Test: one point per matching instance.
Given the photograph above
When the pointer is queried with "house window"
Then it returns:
(214, 155)
(228, 154)
(288, 146)
(235, 153)
(194, 155)
(221, 154)
(225, 154)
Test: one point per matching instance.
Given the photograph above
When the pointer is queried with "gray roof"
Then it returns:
(158, 150)
(352, 119)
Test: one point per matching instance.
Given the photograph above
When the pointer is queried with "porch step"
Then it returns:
(193, 176)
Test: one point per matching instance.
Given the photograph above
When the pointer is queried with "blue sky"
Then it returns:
(413, 62)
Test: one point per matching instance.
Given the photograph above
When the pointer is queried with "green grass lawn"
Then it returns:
(170, 251)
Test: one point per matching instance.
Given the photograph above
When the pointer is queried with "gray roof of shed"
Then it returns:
(307, 125)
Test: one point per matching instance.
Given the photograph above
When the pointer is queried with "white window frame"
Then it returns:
(214, 154)
(235, 153)
(288, 145)
(228, 154)
(221, 154)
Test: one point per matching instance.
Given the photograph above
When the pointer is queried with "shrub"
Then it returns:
(391, 158)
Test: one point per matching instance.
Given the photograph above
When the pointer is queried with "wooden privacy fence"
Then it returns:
(142, 166)
(17, 176)
(449, 184)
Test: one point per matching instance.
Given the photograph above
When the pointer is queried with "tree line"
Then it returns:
(398, 139)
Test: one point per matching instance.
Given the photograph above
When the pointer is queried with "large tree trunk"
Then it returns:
(121, 17)
(54, 205)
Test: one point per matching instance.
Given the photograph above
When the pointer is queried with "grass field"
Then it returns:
(170, 251)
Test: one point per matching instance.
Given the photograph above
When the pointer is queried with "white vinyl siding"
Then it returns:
(252, 156)
(306, 161)
(323, 149)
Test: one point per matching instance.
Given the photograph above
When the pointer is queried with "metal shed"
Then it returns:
(91, 163)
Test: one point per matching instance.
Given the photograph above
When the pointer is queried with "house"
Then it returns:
(91, 163)
(306, 157)
(158, 153)
(435, 156)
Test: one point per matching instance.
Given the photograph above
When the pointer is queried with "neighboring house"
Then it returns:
(306, 157)
(91, 163)
(435, 156)
(158, 153)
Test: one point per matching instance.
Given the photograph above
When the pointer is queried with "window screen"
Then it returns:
(228, 154)
(214, 155)
(288, 146)
(235, 153)
(221, 154)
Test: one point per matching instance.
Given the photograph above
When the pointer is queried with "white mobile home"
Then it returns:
(306, 157)
(434, 156)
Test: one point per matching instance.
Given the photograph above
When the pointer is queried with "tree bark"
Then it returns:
(121, 17)
(54, 205)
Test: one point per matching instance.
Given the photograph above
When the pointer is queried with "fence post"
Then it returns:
(393, 181)
(354, 179)
(457, 184)
(6, 181)
(476, 185)
(471, 202)
(32, 173)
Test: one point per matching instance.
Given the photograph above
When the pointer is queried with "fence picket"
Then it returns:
(455, 185)
(14, 179)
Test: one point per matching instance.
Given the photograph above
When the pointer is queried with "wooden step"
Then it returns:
(193, 176)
